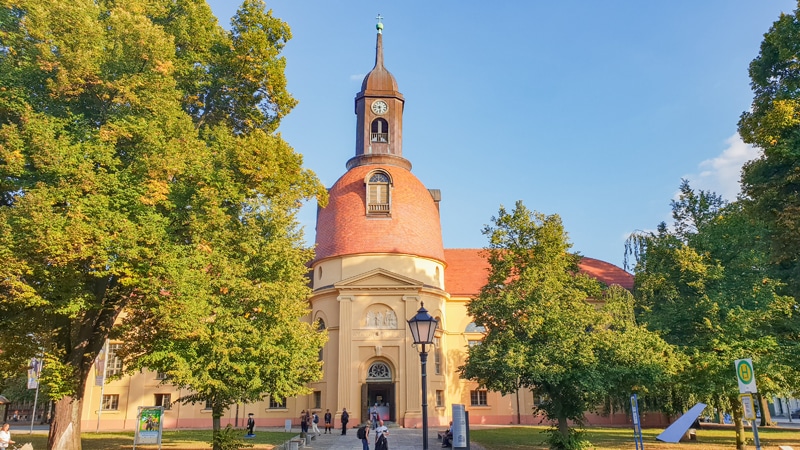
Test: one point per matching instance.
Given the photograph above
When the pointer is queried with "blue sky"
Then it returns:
(590, 110)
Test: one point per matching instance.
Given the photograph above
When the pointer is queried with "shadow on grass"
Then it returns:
(174, 440)
(518, 438)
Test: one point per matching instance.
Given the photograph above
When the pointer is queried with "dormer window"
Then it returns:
(380, 131)
(378, 199)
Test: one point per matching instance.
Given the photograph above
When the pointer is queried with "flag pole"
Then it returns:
(102, 386)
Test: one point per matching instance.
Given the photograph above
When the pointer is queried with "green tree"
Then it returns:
(705, 286)
(543, 333)
(772, 124)
(141, 174)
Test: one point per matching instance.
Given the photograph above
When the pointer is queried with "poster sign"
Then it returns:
(149, 427)
(745, 376)
(459, 426)
(33, 373)
(747, 406)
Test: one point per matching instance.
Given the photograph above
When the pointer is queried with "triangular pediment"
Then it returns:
(379, 279)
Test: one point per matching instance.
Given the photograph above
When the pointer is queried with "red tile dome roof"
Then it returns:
(343, 227)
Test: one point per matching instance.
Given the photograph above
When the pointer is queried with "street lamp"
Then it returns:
(423, 327)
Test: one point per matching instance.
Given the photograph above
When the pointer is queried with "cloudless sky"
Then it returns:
(590, 110)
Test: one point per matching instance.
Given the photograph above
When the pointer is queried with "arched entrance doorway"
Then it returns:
(379, 389)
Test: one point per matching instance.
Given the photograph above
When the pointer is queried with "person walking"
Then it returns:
(381, 433)
(314, 422)
(328, 418)
(345, 418)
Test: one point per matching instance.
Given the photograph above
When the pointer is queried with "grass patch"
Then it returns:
(518, 438)
(174, 440)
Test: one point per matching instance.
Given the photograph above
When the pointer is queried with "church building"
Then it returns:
(379, 258)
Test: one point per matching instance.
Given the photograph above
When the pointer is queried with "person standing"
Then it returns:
(374, 416)
(364, 437)
(314, 422)
(5, 436)
(251, 424)
(381, 433)
(345, 418)
(328, 418)
(303, 423)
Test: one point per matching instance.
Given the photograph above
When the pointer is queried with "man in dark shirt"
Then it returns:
(345, 418)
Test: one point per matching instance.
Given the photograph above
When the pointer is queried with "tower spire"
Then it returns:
(379, 43)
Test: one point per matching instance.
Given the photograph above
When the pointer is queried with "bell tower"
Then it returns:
(379, 112)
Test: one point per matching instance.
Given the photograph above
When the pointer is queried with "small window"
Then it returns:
(437, 357)
(110, 402)
(472, 328)
(478, 398)
(379, 131)
(440, 398)
(317, 400)
(378, 200)
(161, 376)
(277, 403)
(164, 400)
(208, 405)
(114, 366)
(320, 328)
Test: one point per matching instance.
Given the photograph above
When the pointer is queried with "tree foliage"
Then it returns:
(772, 124)
(140, 172)
(704, 284)
(543, 333)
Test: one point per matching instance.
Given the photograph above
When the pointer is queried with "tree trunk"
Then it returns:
(215, 420)
(65, 431)
(739, 424)
(766, 419)
(563, 428)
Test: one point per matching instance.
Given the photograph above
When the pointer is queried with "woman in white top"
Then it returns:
(5, 436)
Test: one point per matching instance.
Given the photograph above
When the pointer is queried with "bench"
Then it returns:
(440, 435)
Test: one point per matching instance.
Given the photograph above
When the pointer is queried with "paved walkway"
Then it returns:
(399, 439)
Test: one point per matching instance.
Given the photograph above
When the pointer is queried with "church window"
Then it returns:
(472, 328)
(478, 398)
(317, 400)
(110, 402)
(380, 131)
(277, 402)
(379, 371)
(378, 200)
(320, 328)
(164, 400)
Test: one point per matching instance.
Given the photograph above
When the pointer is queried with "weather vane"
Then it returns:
(379, 26)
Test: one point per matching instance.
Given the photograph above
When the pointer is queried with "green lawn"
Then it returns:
(517, 438)
(183, 440)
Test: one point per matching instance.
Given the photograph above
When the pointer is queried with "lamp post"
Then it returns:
(423, 328)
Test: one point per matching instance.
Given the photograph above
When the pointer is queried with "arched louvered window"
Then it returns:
(378, 195)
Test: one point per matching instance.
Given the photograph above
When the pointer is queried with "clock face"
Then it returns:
(379, 107)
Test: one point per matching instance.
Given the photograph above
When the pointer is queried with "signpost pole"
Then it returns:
(637, 426)
(746, 377)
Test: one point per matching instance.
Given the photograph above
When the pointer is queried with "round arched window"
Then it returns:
(379, 371)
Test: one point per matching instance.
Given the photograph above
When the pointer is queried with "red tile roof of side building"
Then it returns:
(467, 271)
